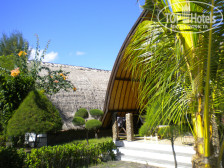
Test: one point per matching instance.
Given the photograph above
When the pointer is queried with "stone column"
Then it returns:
(129, 127)
(114, 127)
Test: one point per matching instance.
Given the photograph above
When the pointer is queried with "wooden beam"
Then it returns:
(127, 79)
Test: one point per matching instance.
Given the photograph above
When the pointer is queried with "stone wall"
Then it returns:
(91, 87)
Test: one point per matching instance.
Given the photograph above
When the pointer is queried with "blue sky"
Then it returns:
(83, 33)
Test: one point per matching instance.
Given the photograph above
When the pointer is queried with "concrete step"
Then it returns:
(155, 162)
(155, 154)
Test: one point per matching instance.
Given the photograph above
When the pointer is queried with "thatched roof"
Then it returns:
(91, 87)
(122, 91)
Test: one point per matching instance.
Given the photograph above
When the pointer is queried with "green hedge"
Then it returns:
(93, 124)
(82, 112)
(11, 157)
(69, 155)
(35, 114)
(96, 112)
(78, 121)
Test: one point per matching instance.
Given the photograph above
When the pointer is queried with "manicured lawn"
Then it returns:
(92, 141)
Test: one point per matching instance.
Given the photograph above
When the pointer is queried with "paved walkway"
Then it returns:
(121, 164)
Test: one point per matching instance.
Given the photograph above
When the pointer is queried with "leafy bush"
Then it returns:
(173, 131)
(7, 62)
(2, 140)
(12, 93)
(78, 121)
(71, 155)
(145, 130)
(35, 114)
(164, 132)
(82, 112)
(11, 157)
(93, 124)
(96, 112)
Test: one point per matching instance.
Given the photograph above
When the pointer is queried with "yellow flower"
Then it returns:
(64, 77)
(21, 53)
(74, 89)
(15, 72)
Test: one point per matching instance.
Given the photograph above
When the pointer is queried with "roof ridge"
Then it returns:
(71, 66)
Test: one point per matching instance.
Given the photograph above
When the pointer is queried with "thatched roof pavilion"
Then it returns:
(114, 91)
(91, 87)
(122, 91)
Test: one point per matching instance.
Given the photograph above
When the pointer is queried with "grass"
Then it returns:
(91, 141)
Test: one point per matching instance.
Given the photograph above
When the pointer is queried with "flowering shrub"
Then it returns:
(22, 53)
(15, 72)
(17, 83)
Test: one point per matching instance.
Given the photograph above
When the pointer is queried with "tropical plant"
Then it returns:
(171, 133)
(178, 78)
(36, 114)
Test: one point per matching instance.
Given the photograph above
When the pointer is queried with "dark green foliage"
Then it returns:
(78, 121)
(96, 113)
(11, 157)
(35, 114)
(93, 124)
(7, 62)
(2, 140)
(12, 44)
(82, 112)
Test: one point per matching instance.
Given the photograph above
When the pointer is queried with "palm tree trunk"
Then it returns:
(207, 152)
(172, 144)
(198, 134)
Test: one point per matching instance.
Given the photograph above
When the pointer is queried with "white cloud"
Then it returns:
(49, 57)
(80, 53)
